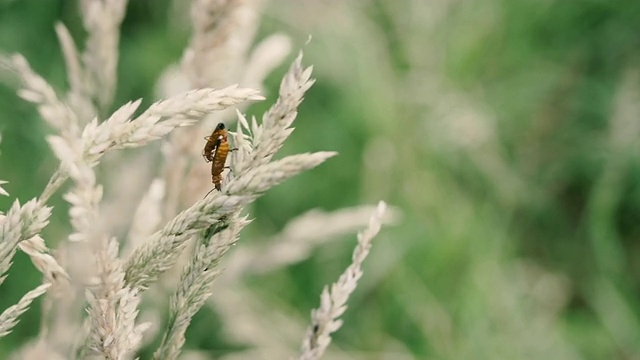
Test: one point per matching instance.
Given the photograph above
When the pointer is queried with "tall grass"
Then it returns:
(109, 285)
(504, 131)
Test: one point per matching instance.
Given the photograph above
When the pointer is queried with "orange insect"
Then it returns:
(216, 150)
(218, 135)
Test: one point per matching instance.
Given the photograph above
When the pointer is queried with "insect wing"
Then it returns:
(211, 147)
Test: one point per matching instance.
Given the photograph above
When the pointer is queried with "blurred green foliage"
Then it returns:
(522, 243)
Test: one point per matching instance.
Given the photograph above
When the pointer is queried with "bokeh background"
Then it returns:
(505, 131)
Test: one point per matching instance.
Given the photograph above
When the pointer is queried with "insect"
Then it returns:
(215, 151)
(218, 135)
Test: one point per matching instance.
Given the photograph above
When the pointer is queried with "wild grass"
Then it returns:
(505, 131)
(109, 284)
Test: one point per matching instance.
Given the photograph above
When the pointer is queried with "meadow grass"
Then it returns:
(503, 134)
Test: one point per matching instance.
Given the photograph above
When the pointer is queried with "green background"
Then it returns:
(504, 131)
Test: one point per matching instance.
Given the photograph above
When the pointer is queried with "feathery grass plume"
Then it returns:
(162, 249)
(75, 75)
(9, 318)
(20, 228)
(55, 182)
(85, 196)
(119, 131)
(208, 61)
(217, 55)
(112, 307)
(222, 34)
(269, 137)
(41, 257)
(18, 224)
(263, 177)
(325, 319)
(196, 283)
(62, 307)
(102, 19)
(92, 82)
(78, 97)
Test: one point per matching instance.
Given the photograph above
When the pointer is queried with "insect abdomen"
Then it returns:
(217, 167)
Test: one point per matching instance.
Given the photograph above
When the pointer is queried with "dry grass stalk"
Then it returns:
(81, 140)
(161, 251)
(102, 19)
(325, 319)
(19, 224)
(9, 318)
(113, 307)
(196, 282)
(223, 31)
